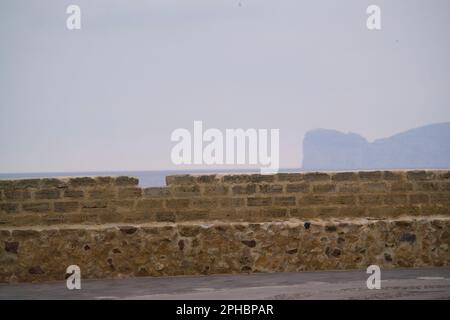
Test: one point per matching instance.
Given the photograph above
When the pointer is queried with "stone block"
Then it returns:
(177, 203)
(82, 182)
(324, 188)
(180, 179)
(370, 175)
(344, 176)
(244, 189)
(130, 192)
(126, 181)
(66, 206)
(16, 195)
(284, 201)
(290, 177)
(36, 207)
(157, 192)
(297, 188)
(270, 188)
(72, 193)
(259, 201)
(46, 194)
(216, 190)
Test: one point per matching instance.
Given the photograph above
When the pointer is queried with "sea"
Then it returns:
(151, 178)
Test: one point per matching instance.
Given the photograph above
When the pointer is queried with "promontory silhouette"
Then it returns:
(420, 148)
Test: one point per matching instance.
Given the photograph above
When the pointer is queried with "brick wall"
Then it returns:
(254, 197)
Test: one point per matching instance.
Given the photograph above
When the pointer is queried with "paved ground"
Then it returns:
(396, 284)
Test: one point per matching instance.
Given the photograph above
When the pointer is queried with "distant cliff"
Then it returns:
(424, 147)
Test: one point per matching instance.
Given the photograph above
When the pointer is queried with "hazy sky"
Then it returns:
(108, 96)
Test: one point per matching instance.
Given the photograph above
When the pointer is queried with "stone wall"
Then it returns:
(204, 224)
(251, 197)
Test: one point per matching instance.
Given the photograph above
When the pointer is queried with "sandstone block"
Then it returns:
(236, 179)
(66, 206)
(36, 207)
(297, 187)
(126, 181)
(244, 189)
(270, 188)
(395, 199)
(323, 188)
(130, 192)
(149, 204)
(370, 175)
(82, 182)
(259, 201)
(185, 190)
(71, 193)
(104, 193)
(317, 176)
(345, 176)
(419, 175)
(180, 179)
(216, 190)
(285, 201)
(177, 203)
(16, 195)
(46, 194)
(375, 187)
(401, 186)
(419, 198)
(157, 192)
(9, 207)
(290, 177)
(205, 203)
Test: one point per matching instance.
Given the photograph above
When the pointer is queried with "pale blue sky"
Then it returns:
(108, 96)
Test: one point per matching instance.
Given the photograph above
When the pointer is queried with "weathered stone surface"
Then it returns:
(244, 189)
(345, 176)
(177, 203)
(370, 175)
(297, 187)
(53, 183)
(126, 181)
(180, 179)
(9, 207)
(199, 248)
(46, 194)
(36, 207)
(291, 177)
(236, 178)
(26, 183)
(285, 201)
(157, 192)
(82, 182)
(130, 192)
(271, 188)
(325, 187)
(11, 246)
(71, 193)
(149, 204)
(16, 195)
(259, 201)
(186, 190)
(66, 206)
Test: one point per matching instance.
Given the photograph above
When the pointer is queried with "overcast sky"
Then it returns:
(108, 96)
